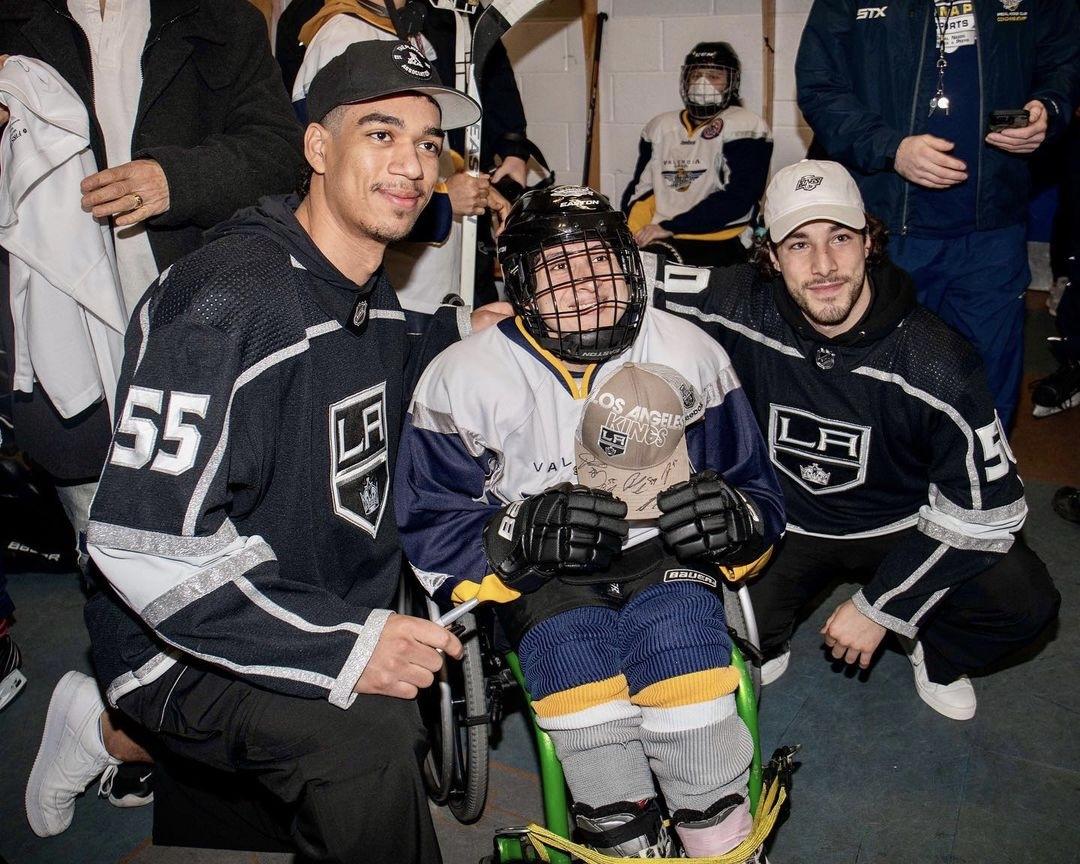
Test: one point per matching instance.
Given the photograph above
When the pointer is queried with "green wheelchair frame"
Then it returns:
(511, 845)
(457, 760)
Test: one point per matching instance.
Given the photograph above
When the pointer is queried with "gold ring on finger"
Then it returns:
(138, 200)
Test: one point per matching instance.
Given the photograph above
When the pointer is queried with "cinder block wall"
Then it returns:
(644, 44)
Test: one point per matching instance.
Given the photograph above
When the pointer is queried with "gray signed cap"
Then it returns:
(379, 69)
(631, 441)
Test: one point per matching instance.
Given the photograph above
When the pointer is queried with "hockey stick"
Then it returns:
(471, 51)
(592, 138)
(768, 57)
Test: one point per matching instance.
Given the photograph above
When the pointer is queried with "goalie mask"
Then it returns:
(709, 81)
(572, 273)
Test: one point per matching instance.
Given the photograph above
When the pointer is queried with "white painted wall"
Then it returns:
(644, 44)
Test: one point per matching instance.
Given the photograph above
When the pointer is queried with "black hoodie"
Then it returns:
(244, 515)
(887, 427)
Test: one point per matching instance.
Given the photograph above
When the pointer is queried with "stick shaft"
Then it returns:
(590, 172)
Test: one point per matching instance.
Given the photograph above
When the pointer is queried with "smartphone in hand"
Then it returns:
(1008, 118)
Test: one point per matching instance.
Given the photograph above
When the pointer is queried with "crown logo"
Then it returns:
(369, 496)
(814, 473)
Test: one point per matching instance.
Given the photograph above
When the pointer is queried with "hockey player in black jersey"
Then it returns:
(895, 469)
(244, 522)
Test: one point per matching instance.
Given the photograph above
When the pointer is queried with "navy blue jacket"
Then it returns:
(860, 88)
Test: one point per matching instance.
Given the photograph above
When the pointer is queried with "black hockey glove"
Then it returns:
(564, 528)
(707, 519)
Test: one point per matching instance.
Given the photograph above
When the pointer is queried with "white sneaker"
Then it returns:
(773, 669)
(71, 754)
(955, 701)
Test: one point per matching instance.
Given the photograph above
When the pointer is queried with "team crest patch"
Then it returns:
(808, 183)
(359, 474)
(821, 455)
(1012, 13)
(713, 129)
(611, 442)
(681, 177)
(411, 61)
(690, 576)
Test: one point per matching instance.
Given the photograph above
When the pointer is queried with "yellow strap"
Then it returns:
(768, 812)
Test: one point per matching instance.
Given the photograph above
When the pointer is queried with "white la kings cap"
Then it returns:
(811, 191)
(631, 439)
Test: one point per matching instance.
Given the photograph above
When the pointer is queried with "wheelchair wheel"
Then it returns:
(455, 711)
(740, 619)
(469, 726)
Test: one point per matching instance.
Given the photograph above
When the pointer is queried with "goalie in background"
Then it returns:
(701, 171)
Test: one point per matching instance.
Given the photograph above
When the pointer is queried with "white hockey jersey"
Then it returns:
(493, 420)
(700, 180)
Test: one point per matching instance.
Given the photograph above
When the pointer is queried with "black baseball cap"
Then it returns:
(379, 69)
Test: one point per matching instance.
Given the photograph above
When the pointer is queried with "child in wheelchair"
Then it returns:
(587, 466)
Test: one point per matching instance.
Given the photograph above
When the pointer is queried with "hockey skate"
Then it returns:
(625, 829)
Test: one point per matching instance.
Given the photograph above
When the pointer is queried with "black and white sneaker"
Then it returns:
(1057, 391)
(12, 679)
(129, 784)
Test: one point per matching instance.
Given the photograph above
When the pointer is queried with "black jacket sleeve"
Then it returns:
(503, 132)
(849, 130)
(1057, 62)
(257, 151)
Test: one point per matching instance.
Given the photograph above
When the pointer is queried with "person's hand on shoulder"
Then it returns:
(925, 160)
(130, 192)
(490, 314)
(851, 636)
(1027, 138)
(406, 657)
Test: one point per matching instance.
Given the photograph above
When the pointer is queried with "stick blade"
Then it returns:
(492, 25)
(489, 30)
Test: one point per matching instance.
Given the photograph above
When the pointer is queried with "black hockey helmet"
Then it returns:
(570, 237)
(703, 98)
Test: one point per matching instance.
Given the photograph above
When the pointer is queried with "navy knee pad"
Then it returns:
(672, 629)
(569, 649)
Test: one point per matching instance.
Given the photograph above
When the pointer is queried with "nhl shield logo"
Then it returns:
(359, 474)
(820, 455)
(808, 183)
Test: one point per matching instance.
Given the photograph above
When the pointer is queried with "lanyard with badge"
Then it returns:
(940, 100)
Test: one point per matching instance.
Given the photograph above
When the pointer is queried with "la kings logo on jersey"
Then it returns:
(360, 476)
(821, 455)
